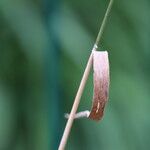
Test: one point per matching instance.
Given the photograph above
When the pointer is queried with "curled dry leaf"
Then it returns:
(101, 84)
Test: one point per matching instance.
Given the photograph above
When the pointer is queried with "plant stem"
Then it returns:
(103, 23)
(82, 83)
(75, 105)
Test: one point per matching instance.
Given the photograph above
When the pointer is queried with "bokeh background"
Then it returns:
(44, 47)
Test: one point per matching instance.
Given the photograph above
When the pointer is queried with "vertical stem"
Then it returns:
(76, 104)
(103, 23)
(82, 84)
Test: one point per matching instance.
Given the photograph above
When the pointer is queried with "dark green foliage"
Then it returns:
(33, 44)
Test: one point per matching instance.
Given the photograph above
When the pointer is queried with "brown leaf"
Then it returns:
(101, 84)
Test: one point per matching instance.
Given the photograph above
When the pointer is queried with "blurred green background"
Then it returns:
(44, 47)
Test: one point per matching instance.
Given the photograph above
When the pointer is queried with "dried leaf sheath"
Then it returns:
(101, 84)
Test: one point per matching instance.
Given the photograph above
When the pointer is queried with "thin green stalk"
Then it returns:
(103, 23)
(82, 84)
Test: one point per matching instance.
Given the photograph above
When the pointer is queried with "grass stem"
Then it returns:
(82, 83)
